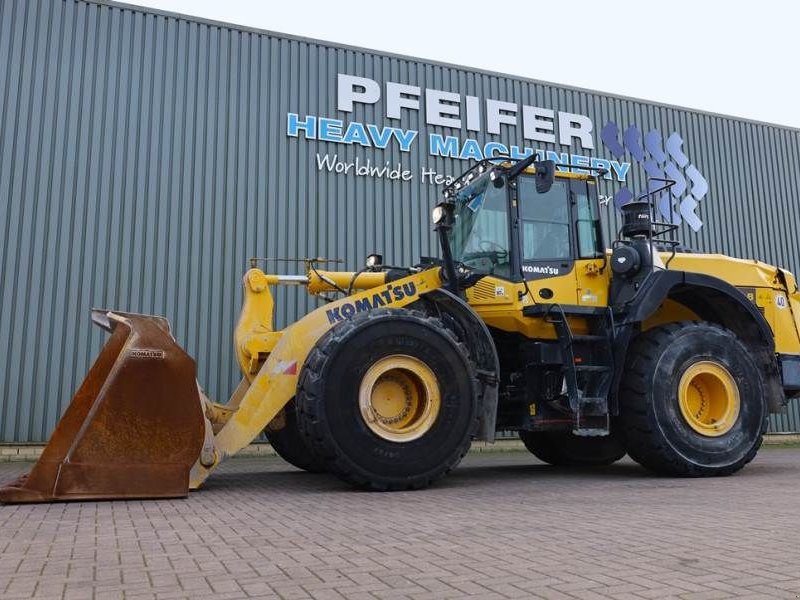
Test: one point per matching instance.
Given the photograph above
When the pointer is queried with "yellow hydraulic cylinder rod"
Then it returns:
(328, 281)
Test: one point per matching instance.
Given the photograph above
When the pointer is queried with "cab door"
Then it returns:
(546, 256)
(561, 248)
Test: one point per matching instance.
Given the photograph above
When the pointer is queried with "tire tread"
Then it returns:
(644, 443)
(311, 406)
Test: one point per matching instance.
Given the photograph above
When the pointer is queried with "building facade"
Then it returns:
(145, 156)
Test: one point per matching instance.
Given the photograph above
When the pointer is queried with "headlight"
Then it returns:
(438, 214)
(374, 261)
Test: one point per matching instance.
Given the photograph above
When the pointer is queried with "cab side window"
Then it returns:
(589, 245)
(545, 221)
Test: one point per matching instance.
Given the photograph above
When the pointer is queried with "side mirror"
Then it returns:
(545, 173)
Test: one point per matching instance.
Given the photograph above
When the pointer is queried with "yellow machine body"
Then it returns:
(773, 290)
(272, 361)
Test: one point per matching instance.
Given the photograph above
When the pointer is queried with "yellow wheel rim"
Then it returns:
(709, 398)
(399, 398)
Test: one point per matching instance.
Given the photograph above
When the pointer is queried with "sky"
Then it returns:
(736, 58)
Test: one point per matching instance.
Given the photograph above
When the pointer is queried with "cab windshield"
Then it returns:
(480, 235)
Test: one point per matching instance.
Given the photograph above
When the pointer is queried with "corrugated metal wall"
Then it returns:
(144, 158)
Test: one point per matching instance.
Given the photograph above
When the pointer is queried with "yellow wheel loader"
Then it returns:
(526, 322)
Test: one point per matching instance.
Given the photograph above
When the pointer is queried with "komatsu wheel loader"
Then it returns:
(526, 322)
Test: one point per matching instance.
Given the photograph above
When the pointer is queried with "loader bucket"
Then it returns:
(134, 427)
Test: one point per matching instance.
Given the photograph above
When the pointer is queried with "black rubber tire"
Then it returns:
(330, 417)
(564, 449)
(656, 434)
(290, 444)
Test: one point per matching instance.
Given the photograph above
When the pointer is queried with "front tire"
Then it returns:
(564, 449)
(290, 445)
(692, 401)
(389, 400)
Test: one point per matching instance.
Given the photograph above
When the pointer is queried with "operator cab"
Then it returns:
(541, 227)
(516, 228)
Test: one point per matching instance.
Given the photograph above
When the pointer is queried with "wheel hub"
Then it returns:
(399, 398)
(708, 398)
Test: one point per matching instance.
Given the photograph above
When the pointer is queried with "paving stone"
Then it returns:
(501, 526)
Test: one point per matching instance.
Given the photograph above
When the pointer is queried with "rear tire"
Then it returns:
(692, 401)
(389, 400)
(290, 445)
(564, 449)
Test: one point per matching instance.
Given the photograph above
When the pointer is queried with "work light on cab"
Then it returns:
(438, 214)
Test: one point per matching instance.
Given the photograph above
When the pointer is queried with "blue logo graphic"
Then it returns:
(682, 200)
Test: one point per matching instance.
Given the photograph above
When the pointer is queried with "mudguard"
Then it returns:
(694, 291)
(475, 334)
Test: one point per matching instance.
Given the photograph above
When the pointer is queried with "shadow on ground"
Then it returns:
(477, 472)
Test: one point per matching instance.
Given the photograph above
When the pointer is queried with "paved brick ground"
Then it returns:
(502, 526)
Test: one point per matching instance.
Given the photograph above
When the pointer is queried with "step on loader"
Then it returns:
(527, 322)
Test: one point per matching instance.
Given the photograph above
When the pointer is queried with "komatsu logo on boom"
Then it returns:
(386, 297)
